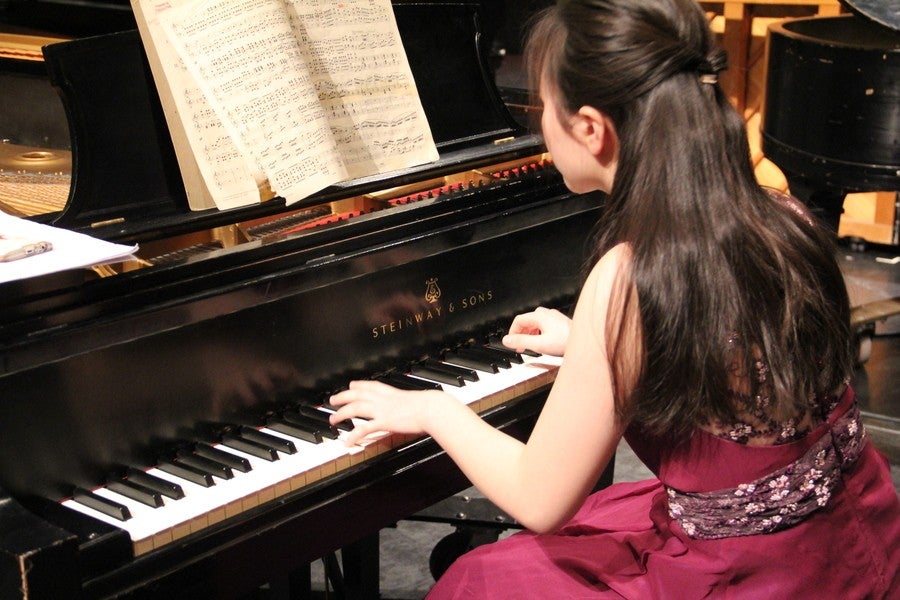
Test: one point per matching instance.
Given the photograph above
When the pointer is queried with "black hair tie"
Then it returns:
(709, 68)
(715, 61)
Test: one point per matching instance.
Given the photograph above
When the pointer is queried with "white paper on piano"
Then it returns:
(310, 93)
(70, 250)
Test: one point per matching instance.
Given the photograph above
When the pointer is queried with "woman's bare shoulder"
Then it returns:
(606, 276)
(613, 263)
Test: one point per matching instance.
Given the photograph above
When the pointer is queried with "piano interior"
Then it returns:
(197, 372)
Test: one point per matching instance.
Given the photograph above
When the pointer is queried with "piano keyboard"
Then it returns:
(252, 466)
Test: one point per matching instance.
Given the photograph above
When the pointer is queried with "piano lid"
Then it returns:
(111, 101)
(879, 11)
(67, 18)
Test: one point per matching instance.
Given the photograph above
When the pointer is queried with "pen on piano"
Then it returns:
(13, 249)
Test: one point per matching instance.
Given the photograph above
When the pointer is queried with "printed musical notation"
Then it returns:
(294, 92)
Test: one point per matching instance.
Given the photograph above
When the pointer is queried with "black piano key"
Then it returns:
(479, 363)
(249, 447)
(101, 504)
(487, 354)
(272, 441)
(466, 373)
(165, 487)
(307, 434)
(322, 417)
(237, 463)
(405, 382)
(186, 472)
(501, 350)
(437, 374)
(208, 465)
(324, 428)
(136, 492)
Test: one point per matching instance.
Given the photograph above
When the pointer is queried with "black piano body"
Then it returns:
(215, 325)
(832, 105)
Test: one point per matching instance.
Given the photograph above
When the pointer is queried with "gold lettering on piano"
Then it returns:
(413, 319)
(434, 311)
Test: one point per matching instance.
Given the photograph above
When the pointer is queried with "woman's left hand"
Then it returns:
(383, 408)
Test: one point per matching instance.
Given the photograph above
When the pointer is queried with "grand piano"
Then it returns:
(832, 105)
(160, 418)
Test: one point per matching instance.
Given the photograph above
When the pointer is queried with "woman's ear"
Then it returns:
(595, 130)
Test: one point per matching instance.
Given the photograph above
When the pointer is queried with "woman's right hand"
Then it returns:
(542, 330)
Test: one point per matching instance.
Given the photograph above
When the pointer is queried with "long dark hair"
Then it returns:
(715, 257)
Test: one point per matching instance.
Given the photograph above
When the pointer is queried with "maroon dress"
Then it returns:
(814, 518)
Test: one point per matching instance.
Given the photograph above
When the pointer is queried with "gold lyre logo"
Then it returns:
(432, 291)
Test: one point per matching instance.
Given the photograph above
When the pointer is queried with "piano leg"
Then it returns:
(355, 577)
(362, 569)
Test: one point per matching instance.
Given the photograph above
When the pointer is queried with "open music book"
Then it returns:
(282, 97)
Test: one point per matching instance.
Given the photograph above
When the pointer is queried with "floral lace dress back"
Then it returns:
(796, 506)
(757, 425)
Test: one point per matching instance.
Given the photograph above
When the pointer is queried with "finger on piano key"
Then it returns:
(321, 416)
(314, 461)
(494, 341)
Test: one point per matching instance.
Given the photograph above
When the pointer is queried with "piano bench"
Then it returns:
(477, 520)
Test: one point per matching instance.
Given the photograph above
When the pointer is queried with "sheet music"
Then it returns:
(315, 92)
(358, 66)
(226, 175)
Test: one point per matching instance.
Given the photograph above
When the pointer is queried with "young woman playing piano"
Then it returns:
(712, 332)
